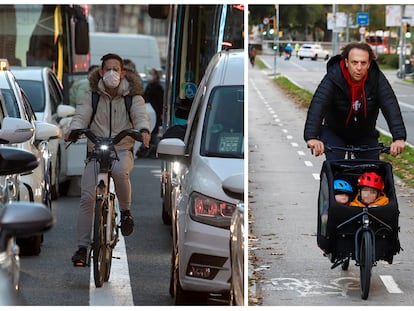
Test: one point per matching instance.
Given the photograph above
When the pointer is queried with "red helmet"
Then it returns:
(371, 179)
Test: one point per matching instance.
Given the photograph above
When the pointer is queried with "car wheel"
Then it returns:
(166, 204)
(55, 185)
(300, 57)
(315, 57)
(47, 194)
(326, 57)
(30, 246)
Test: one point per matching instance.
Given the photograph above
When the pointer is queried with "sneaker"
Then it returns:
(79, 258)
(127, 223)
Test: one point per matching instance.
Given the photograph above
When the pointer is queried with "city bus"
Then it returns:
(55, 36)
(382, 42)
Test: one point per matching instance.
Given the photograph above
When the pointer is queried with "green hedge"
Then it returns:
(390, 60)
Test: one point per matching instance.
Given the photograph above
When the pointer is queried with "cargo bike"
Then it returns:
(366, 235)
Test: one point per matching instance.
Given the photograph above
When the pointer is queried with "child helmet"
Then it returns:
(371, 179)
(342, 186)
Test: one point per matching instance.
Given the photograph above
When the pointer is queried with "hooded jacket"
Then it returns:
(331, 104)
(111, 115)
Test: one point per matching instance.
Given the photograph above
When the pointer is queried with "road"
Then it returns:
(286, 268)
(307, 74)
(140, 275)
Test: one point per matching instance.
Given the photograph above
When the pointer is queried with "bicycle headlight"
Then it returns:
(210, 211)
(104, 147)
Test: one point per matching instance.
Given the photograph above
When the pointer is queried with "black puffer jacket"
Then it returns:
(331, 103)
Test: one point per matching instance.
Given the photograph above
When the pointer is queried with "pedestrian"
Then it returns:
(111, 117)
(297, 46)
(154, 94)
(252, 55)
(345, 106)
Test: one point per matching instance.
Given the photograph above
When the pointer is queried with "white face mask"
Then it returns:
(111, 79)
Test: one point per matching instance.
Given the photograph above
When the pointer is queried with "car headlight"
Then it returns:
(210, 211)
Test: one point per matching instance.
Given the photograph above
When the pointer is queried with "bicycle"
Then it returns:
(105, 231)
(366, 234)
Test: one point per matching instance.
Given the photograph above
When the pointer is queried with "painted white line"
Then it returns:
(277, 120)
(301, 153)
(117, 291)
(308, 163)
(316, 176)
(285, 131)
(295, 145)
(390, 284)
(289, 137)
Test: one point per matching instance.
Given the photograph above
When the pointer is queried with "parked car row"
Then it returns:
(201, 211)
(25, 202)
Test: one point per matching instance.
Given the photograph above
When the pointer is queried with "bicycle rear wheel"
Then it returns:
(98, 246)
(365, 263)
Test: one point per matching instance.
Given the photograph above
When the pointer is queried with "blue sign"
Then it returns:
(190, 90)
(363, 18)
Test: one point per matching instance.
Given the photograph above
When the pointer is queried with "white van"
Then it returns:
(141, 49)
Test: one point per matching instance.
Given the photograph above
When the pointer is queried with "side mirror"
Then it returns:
(233, 186)
(15, 130)
(20, 219)
(65, 111)
(46, 131)
(171, 149)
(16, 161)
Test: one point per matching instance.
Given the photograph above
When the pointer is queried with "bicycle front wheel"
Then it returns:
(98, 245)
(365, 263)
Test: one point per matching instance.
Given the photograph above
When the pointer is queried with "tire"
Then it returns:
(98, 246)
(109, 247)
(30, 246)
(54, 188)
(365, 263)
(315, 57)
(47, 194)
(166, 203)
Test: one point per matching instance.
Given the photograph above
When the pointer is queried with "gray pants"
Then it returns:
(121, 176)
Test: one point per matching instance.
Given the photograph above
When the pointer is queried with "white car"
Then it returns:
(34, 186)
(212, 150)
(45, 94)
(313, 51)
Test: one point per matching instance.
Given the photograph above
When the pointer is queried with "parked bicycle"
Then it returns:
(366, 234)
(105, 230)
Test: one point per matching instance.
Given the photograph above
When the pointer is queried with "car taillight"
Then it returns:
(210, 211)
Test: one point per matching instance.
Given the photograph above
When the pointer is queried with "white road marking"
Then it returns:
(316, 176)
(117, 291)
(289, 137)
(295, 145)
(285, 131)
(301, 153)
(308, 163)
(390, 284)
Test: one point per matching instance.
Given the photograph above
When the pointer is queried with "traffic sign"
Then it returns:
(363, 18)
(265, 20)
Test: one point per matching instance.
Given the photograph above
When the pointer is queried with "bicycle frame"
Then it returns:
(105, 229)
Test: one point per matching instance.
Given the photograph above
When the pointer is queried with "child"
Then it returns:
(342, 190)
(370, 191)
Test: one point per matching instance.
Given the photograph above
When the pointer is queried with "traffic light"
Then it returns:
(408, 32)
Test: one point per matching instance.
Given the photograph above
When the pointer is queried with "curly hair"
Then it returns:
(358, 45)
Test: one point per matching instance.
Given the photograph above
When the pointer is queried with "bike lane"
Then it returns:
(285, 265)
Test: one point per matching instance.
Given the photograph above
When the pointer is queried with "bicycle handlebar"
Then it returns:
(380, 147)
(75, 135)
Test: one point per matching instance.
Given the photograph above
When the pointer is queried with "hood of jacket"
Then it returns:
(131, 84)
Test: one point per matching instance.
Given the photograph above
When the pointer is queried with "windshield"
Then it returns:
(35, 92)
(223, 129)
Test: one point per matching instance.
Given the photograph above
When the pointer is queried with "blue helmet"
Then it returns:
(342, 186)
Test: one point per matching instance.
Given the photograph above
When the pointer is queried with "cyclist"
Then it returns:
(112, 83)
(345, 106)
(370, 193)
